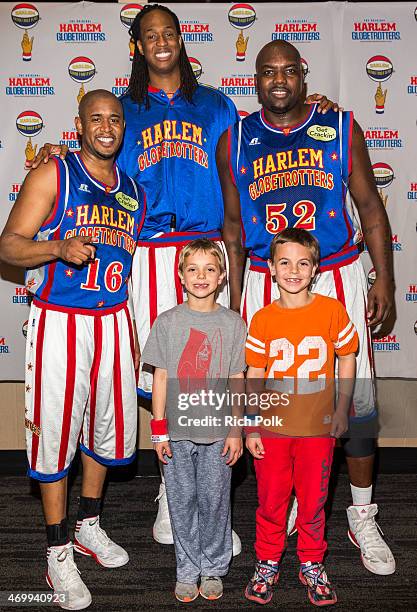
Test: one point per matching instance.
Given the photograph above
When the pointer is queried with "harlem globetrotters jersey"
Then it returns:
(112, 216)
(295, 177)
(170, 149)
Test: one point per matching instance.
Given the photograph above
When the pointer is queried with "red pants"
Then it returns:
(302, 463)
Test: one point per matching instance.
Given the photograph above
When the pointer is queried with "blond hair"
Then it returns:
(202, 244)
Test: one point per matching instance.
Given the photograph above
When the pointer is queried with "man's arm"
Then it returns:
(31, 209)
(231, 232)
(375, 228)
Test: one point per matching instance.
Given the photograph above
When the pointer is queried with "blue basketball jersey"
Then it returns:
(295, 177)
(170, 149)
(111, 216)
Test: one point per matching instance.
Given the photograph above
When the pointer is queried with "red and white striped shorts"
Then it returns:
(348, 285)
(157, 286)
(80, 387)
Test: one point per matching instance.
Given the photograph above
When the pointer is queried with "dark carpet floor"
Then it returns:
(147, 582)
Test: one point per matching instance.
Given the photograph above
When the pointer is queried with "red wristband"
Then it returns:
(159, 427)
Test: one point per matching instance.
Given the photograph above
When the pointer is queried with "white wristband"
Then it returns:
(160, 438)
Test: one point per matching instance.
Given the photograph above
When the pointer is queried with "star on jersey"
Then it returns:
(30, 366)
(334, 156)
(30, 283)
(254, 219)
(332, 213)
(243, 170)
(69, 272)
(100, 304)
(28, 388)
(70, 212)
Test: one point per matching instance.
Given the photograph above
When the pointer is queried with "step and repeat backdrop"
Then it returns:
(362, 55)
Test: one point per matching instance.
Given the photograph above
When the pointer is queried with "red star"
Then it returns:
(30, 366)
(69, 272)
(30, 283)
(254, 219)
(332, 213)
(28, 388)
(286, 131)
(243, 170)
(70, 212)
(334, 156)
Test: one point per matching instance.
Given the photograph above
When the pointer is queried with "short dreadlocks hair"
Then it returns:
(139, 78)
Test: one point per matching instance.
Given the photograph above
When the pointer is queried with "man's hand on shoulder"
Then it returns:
(45, 153)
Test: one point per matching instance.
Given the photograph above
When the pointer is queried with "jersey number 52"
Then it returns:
(304, 210)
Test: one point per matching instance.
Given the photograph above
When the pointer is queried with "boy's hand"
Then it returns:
(162, 449)
(233, 446)
(340, 424)
(255, 446)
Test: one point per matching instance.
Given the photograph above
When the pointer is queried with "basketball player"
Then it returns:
(173, 125)
(80, 357)
(292, 167)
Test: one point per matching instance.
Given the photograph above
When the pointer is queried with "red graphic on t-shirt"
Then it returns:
(199, 361)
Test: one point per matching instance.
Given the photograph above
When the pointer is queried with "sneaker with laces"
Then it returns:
(211, 587)
(320, 591)
(63, 577)
(365, 533)
(186, 592)
(162, 531)
(260, 586)
(91, 540)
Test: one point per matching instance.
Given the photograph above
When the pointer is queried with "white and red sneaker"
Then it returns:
(64, 578)
(91, 540)
(365, 533)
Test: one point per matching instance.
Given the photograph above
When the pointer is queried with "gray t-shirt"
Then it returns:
(199, 350)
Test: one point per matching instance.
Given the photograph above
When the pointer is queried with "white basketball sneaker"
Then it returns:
(365, 533)
(162, 531)
(64, 578)
(91, 540)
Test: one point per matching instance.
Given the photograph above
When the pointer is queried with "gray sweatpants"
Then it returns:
(197, 482)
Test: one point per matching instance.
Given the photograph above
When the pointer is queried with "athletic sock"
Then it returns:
(89, 507)
(57, 535)
(361, 496)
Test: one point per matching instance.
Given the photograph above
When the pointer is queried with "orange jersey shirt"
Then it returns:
(297, 348)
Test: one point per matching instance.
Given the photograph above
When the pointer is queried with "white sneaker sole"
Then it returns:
(381, 572)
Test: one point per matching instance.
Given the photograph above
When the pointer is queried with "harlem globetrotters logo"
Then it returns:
(82, 70)
(29, 123)
(25, 16)
(196, 66)
(241, 17)
(127, 16)
(379, 68)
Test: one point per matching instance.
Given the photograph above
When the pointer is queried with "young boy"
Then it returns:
(292, 345)
(195, 348)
